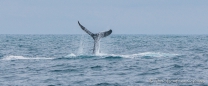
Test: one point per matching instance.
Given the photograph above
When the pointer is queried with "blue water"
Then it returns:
(124, 60)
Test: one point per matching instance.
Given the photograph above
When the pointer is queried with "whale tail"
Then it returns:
(96, 37)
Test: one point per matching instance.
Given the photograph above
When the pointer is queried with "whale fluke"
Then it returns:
(96, 37)
(87, 31)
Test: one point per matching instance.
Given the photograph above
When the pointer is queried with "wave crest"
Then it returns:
(144, 54)
(22, 58)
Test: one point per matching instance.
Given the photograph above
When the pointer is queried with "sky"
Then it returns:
(122, 16)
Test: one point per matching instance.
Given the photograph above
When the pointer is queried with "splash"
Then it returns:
(157, 54)
(144, 54)
(80, 50)
(138, 55)
(97, 44)
(22, 58)
(70, 55)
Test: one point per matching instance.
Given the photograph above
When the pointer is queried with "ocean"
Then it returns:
(123, 60)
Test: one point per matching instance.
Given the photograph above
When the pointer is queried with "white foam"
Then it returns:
(71, 55)
(114, 55)
(149, 54)
(157, 54)
(137, 55)
(22, 58)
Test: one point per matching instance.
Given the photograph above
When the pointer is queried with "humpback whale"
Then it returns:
(96, 37)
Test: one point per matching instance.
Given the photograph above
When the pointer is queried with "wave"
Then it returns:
(143, 54)
(22, 58)
(157, 54)
(71, 55)
(100, 55)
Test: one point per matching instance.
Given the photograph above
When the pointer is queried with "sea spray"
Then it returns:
(80, 50)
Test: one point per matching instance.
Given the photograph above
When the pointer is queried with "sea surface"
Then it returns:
(124, 60)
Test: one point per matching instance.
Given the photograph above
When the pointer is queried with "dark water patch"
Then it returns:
(180, 72)
(139, 82)
(199, 50)
(20, 39)
(1, 56)
(149, 73)
(177, 58)
(97, 68)
(79, 82)
(64, 58)
(58, 65)
(86, 56)
(51, 85)
(198, 65)
(155, 69)
(205, 55)
(205, 60)
(148, 57)
(122, 73)
(177, 66)
(113, 57)
(107, 84)
(64, 71)
(20, 45)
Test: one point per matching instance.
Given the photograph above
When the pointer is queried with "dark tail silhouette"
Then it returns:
(96, 37)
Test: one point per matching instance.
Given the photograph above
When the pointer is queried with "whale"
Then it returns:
(96, 37)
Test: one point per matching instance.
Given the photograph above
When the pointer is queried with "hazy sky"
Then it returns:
(122, 16)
